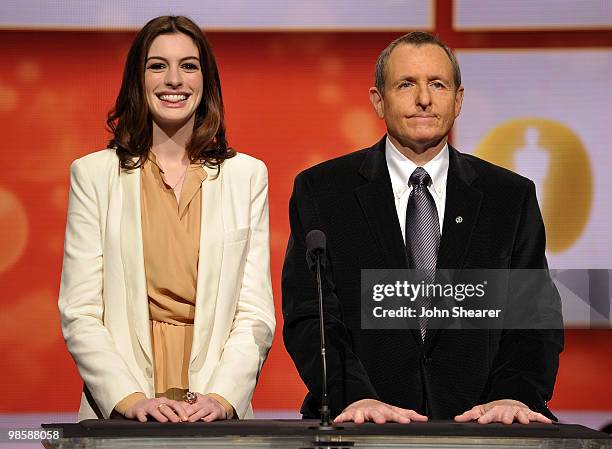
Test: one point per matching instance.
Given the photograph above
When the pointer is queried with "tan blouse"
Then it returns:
(171, 242)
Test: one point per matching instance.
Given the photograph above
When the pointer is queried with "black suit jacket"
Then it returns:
(351, 200)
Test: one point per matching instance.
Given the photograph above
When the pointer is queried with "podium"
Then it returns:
(288, 434)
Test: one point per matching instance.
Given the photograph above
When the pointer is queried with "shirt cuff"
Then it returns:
(229, 409)
(124, 404)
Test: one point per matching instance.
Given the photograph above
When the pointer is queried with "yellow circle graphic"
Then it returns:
(553, 156)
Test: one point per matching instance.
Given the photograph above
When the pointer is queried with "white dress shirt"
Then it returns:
(400, 169)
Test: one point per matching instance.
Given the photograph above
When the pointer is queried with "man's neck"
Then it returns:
(419, 155)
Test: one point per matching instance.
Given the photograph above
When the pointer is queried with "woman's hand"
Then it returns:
(205, 408)
(161, 409)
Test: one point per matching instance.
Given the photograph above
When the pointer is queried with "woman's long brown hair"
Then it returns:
(130, 121)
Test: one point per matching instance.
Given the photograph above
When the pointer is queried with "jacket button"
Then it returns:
(426, 360)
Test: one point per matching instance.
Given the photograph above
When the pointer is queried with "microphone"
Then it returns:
(315, 251)
(315, 246)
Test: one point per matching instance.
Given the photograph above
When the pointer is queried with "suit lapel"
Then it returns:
(460, 215)
(210, 259)
(133, 259)
(377, 203)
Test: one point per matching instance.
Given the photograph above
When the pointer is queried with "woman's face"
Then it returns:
(173, 80)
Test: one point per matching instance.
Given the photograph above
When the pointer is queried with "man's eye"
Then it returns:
(157, 66)
(405, 84)
(437, 85)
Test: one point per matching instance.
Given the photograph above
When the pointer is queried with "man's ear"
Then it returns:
(458, 100)
(377, 101)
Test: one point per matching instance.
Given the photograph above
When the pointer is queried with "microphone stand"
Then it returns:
(325, 423)
(315, 248)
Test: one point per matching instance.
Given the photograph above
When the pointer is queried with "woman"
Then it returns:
(165, 299)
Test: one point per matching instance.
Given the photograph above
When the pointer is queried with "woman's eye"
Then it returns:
(156, 66)
(190, 66)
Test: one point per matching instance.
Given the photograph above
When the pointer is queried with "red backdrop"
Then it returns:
(292, 99)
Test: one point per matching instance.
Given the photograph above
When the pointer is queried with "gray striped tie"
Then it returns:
(422, 232)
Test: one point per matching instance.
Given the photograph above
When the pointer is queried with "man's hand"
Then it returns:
(161, 409)
(505, 411)
(206, 409)
(378, 412)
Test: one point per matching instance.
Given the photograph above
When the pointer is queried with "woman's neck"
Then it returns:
(169, 145)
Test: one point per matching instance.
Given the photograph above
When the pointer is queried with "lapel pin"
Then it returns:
(459, 219)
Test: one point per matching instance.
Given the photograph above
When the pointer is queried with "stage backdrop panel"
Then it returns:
(529, 14)
(227, 14)
(546, 115)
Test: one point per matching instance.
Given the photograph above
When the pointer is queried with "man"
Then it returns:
(461, 212)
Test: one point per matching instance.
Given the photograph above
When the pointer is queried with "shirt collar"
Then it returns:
(400, 169)
(194, 170)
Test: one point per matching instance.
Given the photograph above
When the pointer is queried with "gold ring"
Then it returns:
(160, 405)
(190, 397)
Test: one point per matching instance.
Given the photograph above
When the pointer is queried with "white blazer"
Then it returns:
(103, 296)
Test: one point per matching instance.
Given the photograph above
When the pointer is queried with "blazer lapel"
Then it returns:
(210, 259)
(133, 259)
(377, 203)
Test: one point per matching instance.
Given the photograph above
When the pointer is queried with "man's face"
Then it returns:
(420, 101)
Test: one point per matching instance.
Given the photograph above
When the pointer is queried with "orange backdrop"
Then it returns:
(292, 99)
